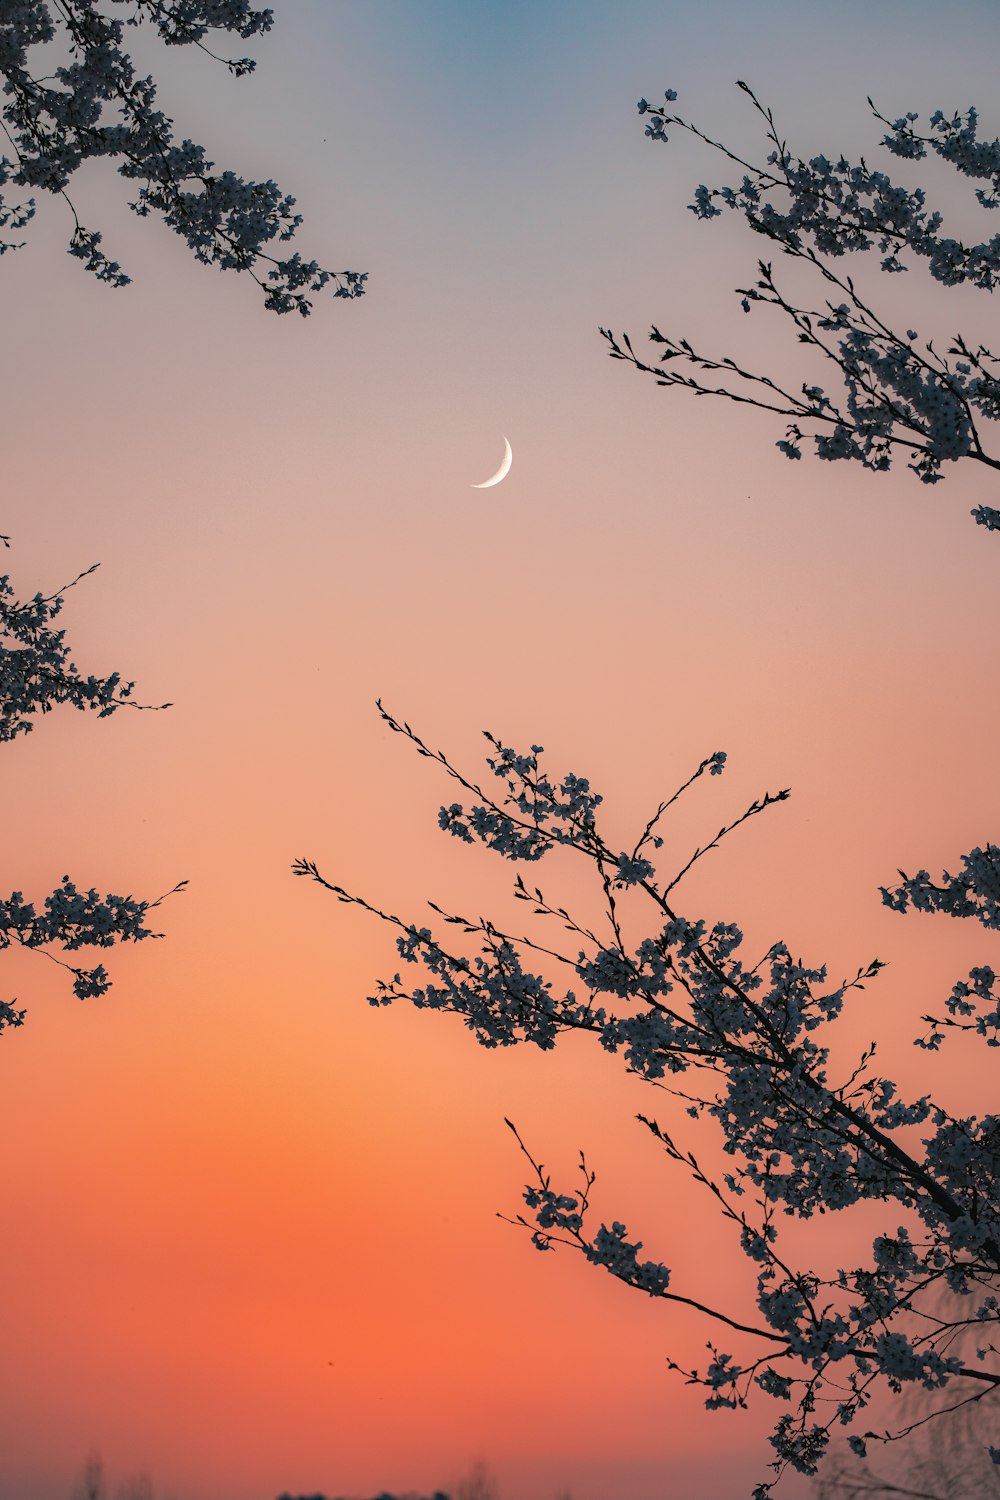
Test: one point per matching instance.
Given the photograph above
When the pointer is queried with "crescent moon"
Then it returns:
(501, 473)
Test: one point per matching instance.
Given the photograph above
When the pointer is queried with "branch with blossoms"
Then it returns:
(746, 1041)
(55, 123)
(974, 1004)
(900, 396)
(36, 674)
(35, 670)
(74, 919)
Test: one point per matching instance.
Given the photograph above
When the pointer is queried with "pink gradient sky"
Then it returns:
(250, 1239)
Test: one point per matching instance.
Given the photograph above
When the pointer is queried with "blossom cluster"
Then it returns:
(974, 1004)
(973, 893)
(95, 105)
(562, 813)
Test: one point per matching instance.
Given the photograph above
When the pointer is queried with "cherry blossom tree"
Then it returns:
(36, 674)
(72, 94)
(740, 1045)
(900, 395)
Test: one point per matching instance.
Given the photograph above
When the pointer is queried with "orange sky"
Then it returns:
(251, 1241)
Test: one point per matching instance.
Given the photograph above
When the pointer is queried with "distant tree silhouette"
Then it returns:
(91, 1483)
(952, 1464)
(478, 1485)
(73, 96)
(939, 1456)
(948, 1460)
(36, 674)
(901, 395)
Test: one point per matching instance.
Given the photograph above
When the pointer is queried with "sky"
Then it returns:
(251, 1240)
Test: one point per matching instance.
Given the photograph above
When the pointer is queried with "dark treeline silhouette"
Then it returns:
(478, 1484)
(384, 1495)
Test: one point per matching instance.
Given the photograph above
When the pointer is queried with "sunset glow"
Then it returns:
(251, 1229)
